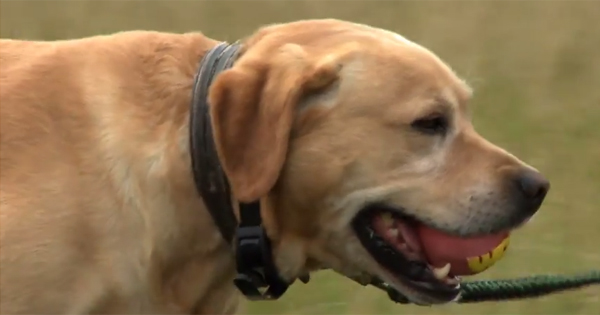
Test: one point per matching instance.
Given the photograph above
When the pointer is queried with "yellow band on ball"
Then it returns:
(485, 261)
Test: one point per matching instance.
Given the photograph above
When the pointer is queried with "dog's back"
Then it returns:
(39, 162)
(52, 183)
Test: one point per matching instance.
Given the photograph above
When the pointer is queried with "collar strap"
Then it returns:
(257, 277)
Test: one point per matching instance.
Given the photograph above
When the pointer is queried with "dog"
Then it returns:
(320, 122)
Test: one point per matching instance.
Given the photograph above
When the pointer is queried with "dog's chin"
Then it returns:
(394, 247)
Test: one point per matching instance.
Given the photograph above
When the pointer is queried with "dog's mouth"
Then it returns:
(392, 240)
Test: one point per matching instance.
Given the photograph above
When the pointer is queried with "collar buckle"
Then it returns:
(256, 276)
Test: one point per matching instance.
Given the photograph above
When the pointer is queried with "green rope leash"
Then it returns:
(513, 289)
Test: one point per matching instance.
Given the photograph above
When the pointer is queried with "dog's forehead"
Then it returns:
(455, 90)
(389, 56)
(390, 45)
(391, 36)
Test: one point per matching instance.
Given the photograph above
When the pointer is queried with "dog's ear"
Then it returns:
(252, 108)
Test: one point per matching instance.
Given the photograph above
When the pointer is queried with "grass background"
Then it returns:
(535, 66)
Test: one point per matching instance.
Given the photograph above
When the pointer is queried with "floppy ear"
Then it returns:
(252, 108)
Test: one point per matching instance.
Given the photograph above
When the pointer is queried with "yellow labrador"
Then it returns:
(329, 124)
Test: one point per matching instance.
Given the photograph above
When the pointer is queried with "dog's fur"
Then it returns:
(99, 212)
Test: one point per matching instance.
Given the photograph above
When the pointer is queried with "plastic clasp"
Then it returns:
(256, 277)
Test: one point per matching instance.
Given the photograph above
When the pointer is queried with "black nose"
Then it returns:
(533, 188)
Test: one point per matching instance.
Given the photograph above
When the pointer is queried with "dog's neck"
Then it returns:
(170, 180)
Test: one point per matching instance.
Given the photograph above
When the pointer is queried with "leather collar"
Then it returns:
(209, 177)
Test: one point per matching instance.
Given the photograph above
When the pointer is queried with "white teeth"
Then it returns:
(393, 233)
(387, 219)
(442, 273)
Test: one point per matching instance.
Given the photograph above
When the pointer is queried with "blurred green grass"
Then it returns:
(535, 66)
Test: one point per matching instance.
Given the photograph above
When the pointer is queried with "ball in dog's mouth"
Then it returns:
(426, 260)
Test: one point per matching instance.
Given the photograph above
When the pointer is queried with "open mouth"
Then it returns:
(393, 240)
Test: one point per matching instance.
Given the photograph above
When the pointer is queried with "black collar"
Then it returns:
(208, 174)
(257, 277)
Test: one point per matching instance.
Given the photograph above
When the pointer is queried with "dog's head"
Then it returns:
(334, 125)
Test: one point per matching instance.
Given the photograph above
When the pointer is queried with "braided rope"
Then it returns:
(523, 288)
(512, 289)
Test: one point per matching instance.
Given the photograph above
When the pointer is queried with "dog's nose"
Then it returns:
(533, 188)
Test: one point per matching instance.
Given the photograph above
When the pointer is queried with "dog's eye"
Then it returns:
(434, 124)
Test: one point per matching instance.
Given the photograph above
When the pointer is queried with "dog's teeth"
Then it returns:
(387, 219)
(393, 233)
(442, 273)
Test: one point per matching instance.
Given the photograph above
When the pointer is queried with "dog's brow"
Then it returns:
(464, 94)
(442, 103)
(456, 97)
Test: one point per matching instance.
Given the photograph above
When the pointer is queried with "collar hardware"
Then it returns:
(257, 277)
